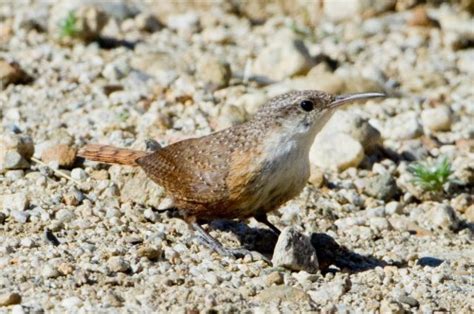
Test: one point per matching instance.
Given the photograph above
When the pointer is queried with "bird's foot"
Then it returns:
(209, 241)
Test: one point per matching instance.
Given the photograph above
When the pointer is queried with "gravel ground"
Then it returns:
(363, 236)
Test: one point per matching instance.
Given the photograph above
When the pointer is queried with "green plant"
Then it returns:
(68, 27)
(123, 116)
(431, 176)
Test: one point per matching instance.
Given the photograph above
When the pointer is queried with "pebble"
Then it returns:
(316, 177)
(18, 201)
(10, 298)
(282, 59)
(338, 10)
(393, 207)
(186, 23)
(469, 214)
(382, 187)
(403, 127)
(437, 119)
(412, 302)
(73, 197)
(15, 151)
(336, 151)
(149, 252)
(443, 216)
(282, 294)
(354, 125)
(15, 174)
(330, 291)
(49, 271)
(274, 278)
(294, 251)
(11, 73)
(78, 174)
(214, 72)
(71, 303)
(118, 264)
(61, 154)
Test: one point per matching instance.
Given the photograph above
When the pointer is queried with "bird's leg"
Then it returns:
(215, 245)
(264, 219)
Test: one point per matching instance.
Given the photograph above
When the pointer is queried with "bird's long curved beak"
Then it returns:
(344, 99)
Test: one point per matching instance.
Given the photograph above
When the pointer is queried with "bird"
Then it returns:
(244, 171)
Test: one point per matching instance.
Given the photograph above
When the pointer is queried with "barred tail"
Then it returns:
(111, 154)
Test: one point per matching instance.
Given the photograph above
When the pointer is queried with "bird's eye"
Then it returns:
(307, 105)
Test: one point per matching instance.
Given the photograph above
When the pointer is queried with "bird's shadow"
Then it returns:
(331, 255)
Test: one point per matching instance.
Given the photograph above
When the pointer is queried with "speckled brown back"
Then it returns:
(194, 172)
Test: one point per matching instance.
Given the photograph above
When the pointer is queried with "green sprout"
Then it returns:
(431, 177)
(123, 116)
(69, 26)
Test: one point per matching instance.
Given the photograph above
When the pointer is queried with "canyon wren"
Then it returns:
(240, 172)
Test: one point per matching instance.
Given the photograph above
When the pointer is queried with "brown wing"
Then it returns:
(192, 170)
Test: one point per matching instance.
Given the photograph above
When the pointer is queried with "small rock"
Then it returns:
(341, 10)
(137, 187)
(282, 294)
(20, 216)
(443, 216)
(10, 298)
(393, 208)
(469, 214)
(63, 154)
(78, 174)
(412, 302)
(379, 223)
(13, 160)
(336, 151)
(50, 271)
(160, 65)
(14, 175)
(387, 306)
(403, 127)
(435, 215)
(3, 217)
(214, 72)
(15, 151)
(294, 251)
(274, 278)
(355, 126)
(420, 17)
(316, 177)
(381, 187)
(71, 303)
(229, 116)
(251, 102)
(18, 201)
(437, 119)
(65, 215)
(65, 269)
(283, 59)
(73, 197)
(148, 23)
(330, 291)
(462, 201)
(118, 264)
(11, 73)
(186, 23)
(149, 252)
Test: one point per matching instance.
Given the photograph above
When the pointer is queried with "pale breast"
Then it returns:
(275, 176)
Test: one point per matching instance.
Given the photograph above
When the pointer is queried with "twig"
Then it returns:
(56, 171)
